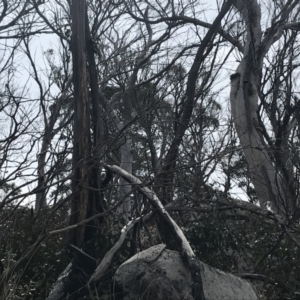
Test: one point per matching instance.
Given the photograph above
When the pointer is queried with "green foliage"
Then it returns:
(215, 243)
(248, 243)
(232, 240)
(17, 234)
(8, 189)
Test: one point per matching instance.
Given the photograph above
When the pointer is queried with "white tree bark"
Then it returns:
(244, 97)
(125, 187)
(126, 158)
(244, 112)
(128, 104)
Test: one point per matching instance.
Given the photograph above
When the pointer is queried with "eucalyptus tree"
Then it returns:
(261, 96)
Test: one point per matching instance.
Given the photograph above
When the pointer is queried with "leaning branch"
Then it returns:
(156, 204)
(105, 263)
(186, 250)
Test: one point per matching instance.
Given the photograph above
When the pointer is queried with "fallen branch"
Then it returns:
(157, 205)
(186, 250)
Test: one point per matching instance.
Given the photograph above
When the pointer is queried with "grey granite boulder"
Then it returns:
(160, 274)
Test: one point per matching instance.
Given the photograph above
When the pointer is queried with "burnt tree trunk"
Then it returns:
(86, 200)
(81, 147)
(81, 265)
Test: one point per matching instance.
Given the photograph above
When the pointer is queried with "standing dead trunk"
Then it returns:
(125, 187)
(126, 149)
(40, 195)
(81, 265)
(81, 148)
(85, 201)
(126, 158)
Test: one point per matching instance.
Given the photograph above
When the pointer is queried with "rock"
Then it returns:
(160, 274)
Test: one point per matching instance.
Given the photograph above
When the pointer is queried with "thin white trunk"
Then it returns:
(125, 187)
(244, 107)
(244, 112)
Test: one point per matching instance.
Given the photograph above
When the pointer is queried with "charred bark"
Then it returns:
(81, 266)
